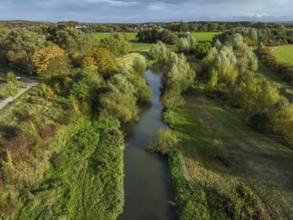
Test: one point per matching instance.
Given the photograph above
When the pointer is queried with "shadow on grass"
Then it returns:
(8, 132)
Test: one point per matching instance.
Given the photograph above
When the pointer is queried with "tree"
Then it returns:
(164, 142)
(139, 66)
(20, 46)
(116, 105)
(51, 61)
(119, 83)
(202, 50)
(12, 84)
(116, 44)
(168, 37)
(103, 59)
(75, 43)
(3, 34)
(158, 52)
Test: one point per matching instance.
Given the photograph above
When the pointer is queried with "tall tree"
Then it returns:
(116, 44)
(75, 43)
(20, 46)
(103, 59)
(51, 61)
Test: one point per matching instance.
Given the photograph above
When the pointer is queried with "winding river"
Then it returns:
(148, 193)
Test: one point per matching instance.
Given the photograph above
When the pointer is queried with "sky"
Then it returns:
(137, 11)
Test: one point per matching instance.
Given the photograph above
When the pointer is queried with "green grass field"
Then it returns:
(228, 161)
(284, 54)
(98, 36)
(137, 46)
(204, 36)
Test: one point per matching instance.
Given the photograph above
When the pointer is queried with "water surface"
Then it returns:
(147, 183)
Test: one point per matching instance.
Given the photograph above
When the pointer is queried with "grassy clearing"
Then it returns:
(84, 180)
(284, 54)
(137, 46)
(60, 163)
(235, 172)
(204, 36)
(99, 36)
(127, 60)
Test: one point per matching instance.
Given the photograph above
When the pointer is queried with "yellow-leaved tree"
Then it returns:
(51, 61)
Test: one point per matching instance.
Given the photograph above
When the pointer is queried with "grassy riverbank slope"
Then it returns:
(231, 171)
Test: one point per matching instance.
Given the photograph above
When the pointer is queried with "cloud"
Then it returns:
(113, 2)
(144, 11)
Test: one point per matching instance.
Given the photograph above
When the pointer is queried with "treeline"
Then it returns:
(201, 26)
(62, 140)
(56, 53)
(182, 42)
(178, 75)
(261, 37)
(230, 68)
(283, 69)
(192, 201)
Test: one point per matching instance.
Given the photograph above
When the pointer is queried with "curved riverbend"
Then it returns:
(147, 183)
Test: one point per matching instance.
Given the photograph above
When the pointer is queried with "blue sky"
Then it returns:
(145, 11)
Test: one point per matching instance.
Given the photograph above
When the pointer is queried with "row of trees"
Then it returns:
(255, 37)
(283, 69)
(178, 75)
(230, 67)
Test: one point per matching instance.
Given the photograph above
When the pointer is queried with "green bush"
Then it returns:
(218, 151)
(164, 142)
(139, 66)
(191, 203)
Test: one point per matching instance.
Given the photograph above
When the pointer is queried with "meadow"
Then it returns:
(204, 36)
(284, 54)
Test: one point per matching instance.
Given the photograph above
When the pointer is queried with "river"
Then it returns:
(147, 183)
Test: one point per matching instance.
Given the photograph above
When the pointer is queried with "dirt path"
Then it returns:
(28, 84)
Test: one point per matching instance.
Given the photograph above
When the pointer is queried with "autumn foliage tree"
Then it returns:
(103, 59)
(51, 61)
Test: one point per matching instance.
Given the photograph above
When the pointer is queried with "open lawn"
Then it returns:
(204, 36)
(284, 54)
(236, 170)
(98, 36)
(127, 60)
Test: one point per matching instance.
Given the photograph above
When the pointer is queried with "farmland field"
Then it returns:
(284, 54)
(204, 36)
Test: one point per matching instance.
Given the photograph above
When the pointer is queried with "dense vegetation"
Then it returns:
(61, 144)
(228, 72)
(62, 147)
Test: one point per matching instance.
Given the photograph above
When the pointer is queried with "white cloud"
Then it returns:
(157, 6)
(113, 2)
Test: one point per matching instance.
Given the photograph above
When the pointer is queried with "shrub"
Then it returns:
(164, 142)
(218, 151)
(139, 66)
